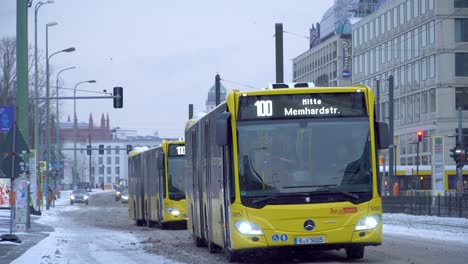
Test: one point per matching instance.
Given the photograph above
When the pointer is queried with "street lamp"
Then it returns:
(57, 127)
(75, 124)
(36, 90)
(71, 49)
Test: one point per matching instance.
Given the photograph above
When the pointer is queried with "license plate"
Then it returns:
(309, 240)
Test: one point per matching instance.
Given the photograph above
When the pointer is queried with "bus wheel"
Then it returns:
(355, 252)
(212, 248)
(232, 256)
(198, 241)
(140, 222)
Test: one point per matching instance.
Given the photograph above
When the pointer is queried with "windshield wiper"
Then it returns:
(276, 195)
(328, 187)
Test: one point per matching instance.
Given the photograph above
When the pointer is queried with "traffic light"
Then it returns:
(129, 148)
(420, 135)
(101, 149)
(118, 97)
(456, 154)
(88, 150)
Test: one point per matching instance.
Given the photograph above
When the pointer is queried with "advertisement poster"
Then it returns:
(5, 189)
(33, 177)
(438, 181)
(21, 187)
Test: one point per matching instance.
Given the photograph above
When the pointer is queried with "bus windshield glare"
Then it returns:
(314, 156)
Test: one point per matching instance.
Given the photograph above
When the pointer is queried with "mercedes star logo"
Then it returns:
(309, 225)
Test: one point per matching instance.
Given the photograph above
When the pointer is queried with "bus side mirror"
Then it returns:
(160, 161)
(383, 135)
(223, 129)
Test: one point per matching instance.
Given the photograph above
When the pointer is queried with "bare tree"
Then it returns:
(8, 83)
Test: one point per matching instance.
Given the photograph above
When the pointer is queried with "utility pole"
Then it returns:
(391, 150)
(218, 90)
(22, 67)
(460, 143)
(90, 152)
(279, 52)
(377, 99)
(190, 111)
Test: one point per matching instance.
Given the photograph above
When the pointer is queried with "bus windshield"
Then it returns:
(304, 156)
(176, 172)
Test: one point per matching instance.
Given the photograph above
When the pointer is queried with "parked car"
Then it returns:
(124, 198)
(79, 196)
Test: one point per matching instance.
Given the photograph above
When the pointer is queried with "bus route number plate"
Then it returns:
(309, 240)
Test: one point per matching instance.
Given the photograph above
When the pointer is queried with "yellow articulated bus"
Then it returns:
(157, 185)
(286, 168)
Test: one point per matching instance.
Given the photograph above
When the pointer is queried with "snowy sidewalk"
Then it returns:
(427, 227)
(73, 242)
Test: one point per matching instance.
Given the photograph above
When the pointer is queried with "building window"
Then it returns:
(402, 14)
(416, 75)
(101, 179)
(461, 98)
(109, 160)
(416, 8)
(432, 101)
(401, 78)
(101, 170)
(117, 170)
(395, 49)
(409, 76)
(382, 24)
(384, 49)
(431, 32)
(423, 69)
(396, 109)
(464, 136)
(109, 180)
(389, 20)
(117, 160)
(117, 150)
(409, 109)
(461, 64)
(395, 17)
(403, 144)
(416, 107)
(461, 29)
(100, 160)
(423, 35)
(402, 48)
(377, 26)
(108, 150)
(416, 42)
(431, 4)
(424, 102)
(423, 7)
(409, 44)
(109, 170)
(408, 10)
(403, 110)
(432, 66)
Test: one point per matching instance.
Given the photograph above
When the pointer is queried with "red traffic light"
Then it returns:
(420, 135)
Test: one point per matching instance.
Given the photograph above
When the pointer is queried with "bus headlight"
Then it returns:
(72, 197)
(86, 197)
(173, 211)
(248, 228)
(367, 222)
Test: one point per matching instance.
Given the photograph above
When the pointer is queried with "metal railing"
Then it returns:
(421, 204)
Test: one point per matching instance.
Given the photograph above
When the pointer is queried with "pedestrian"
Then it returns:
(396, 189)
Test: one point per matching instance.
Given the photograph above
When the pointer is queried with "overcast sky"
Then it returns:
(165, 53)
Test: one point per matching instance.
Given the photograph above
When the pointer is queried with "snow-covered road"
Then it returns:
(102, 233)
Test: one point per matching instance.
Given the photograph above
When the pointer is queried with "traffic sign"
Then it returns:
(6, 118)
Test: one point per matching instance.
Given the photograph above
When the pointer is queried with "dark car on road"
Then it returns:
(79, 196)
